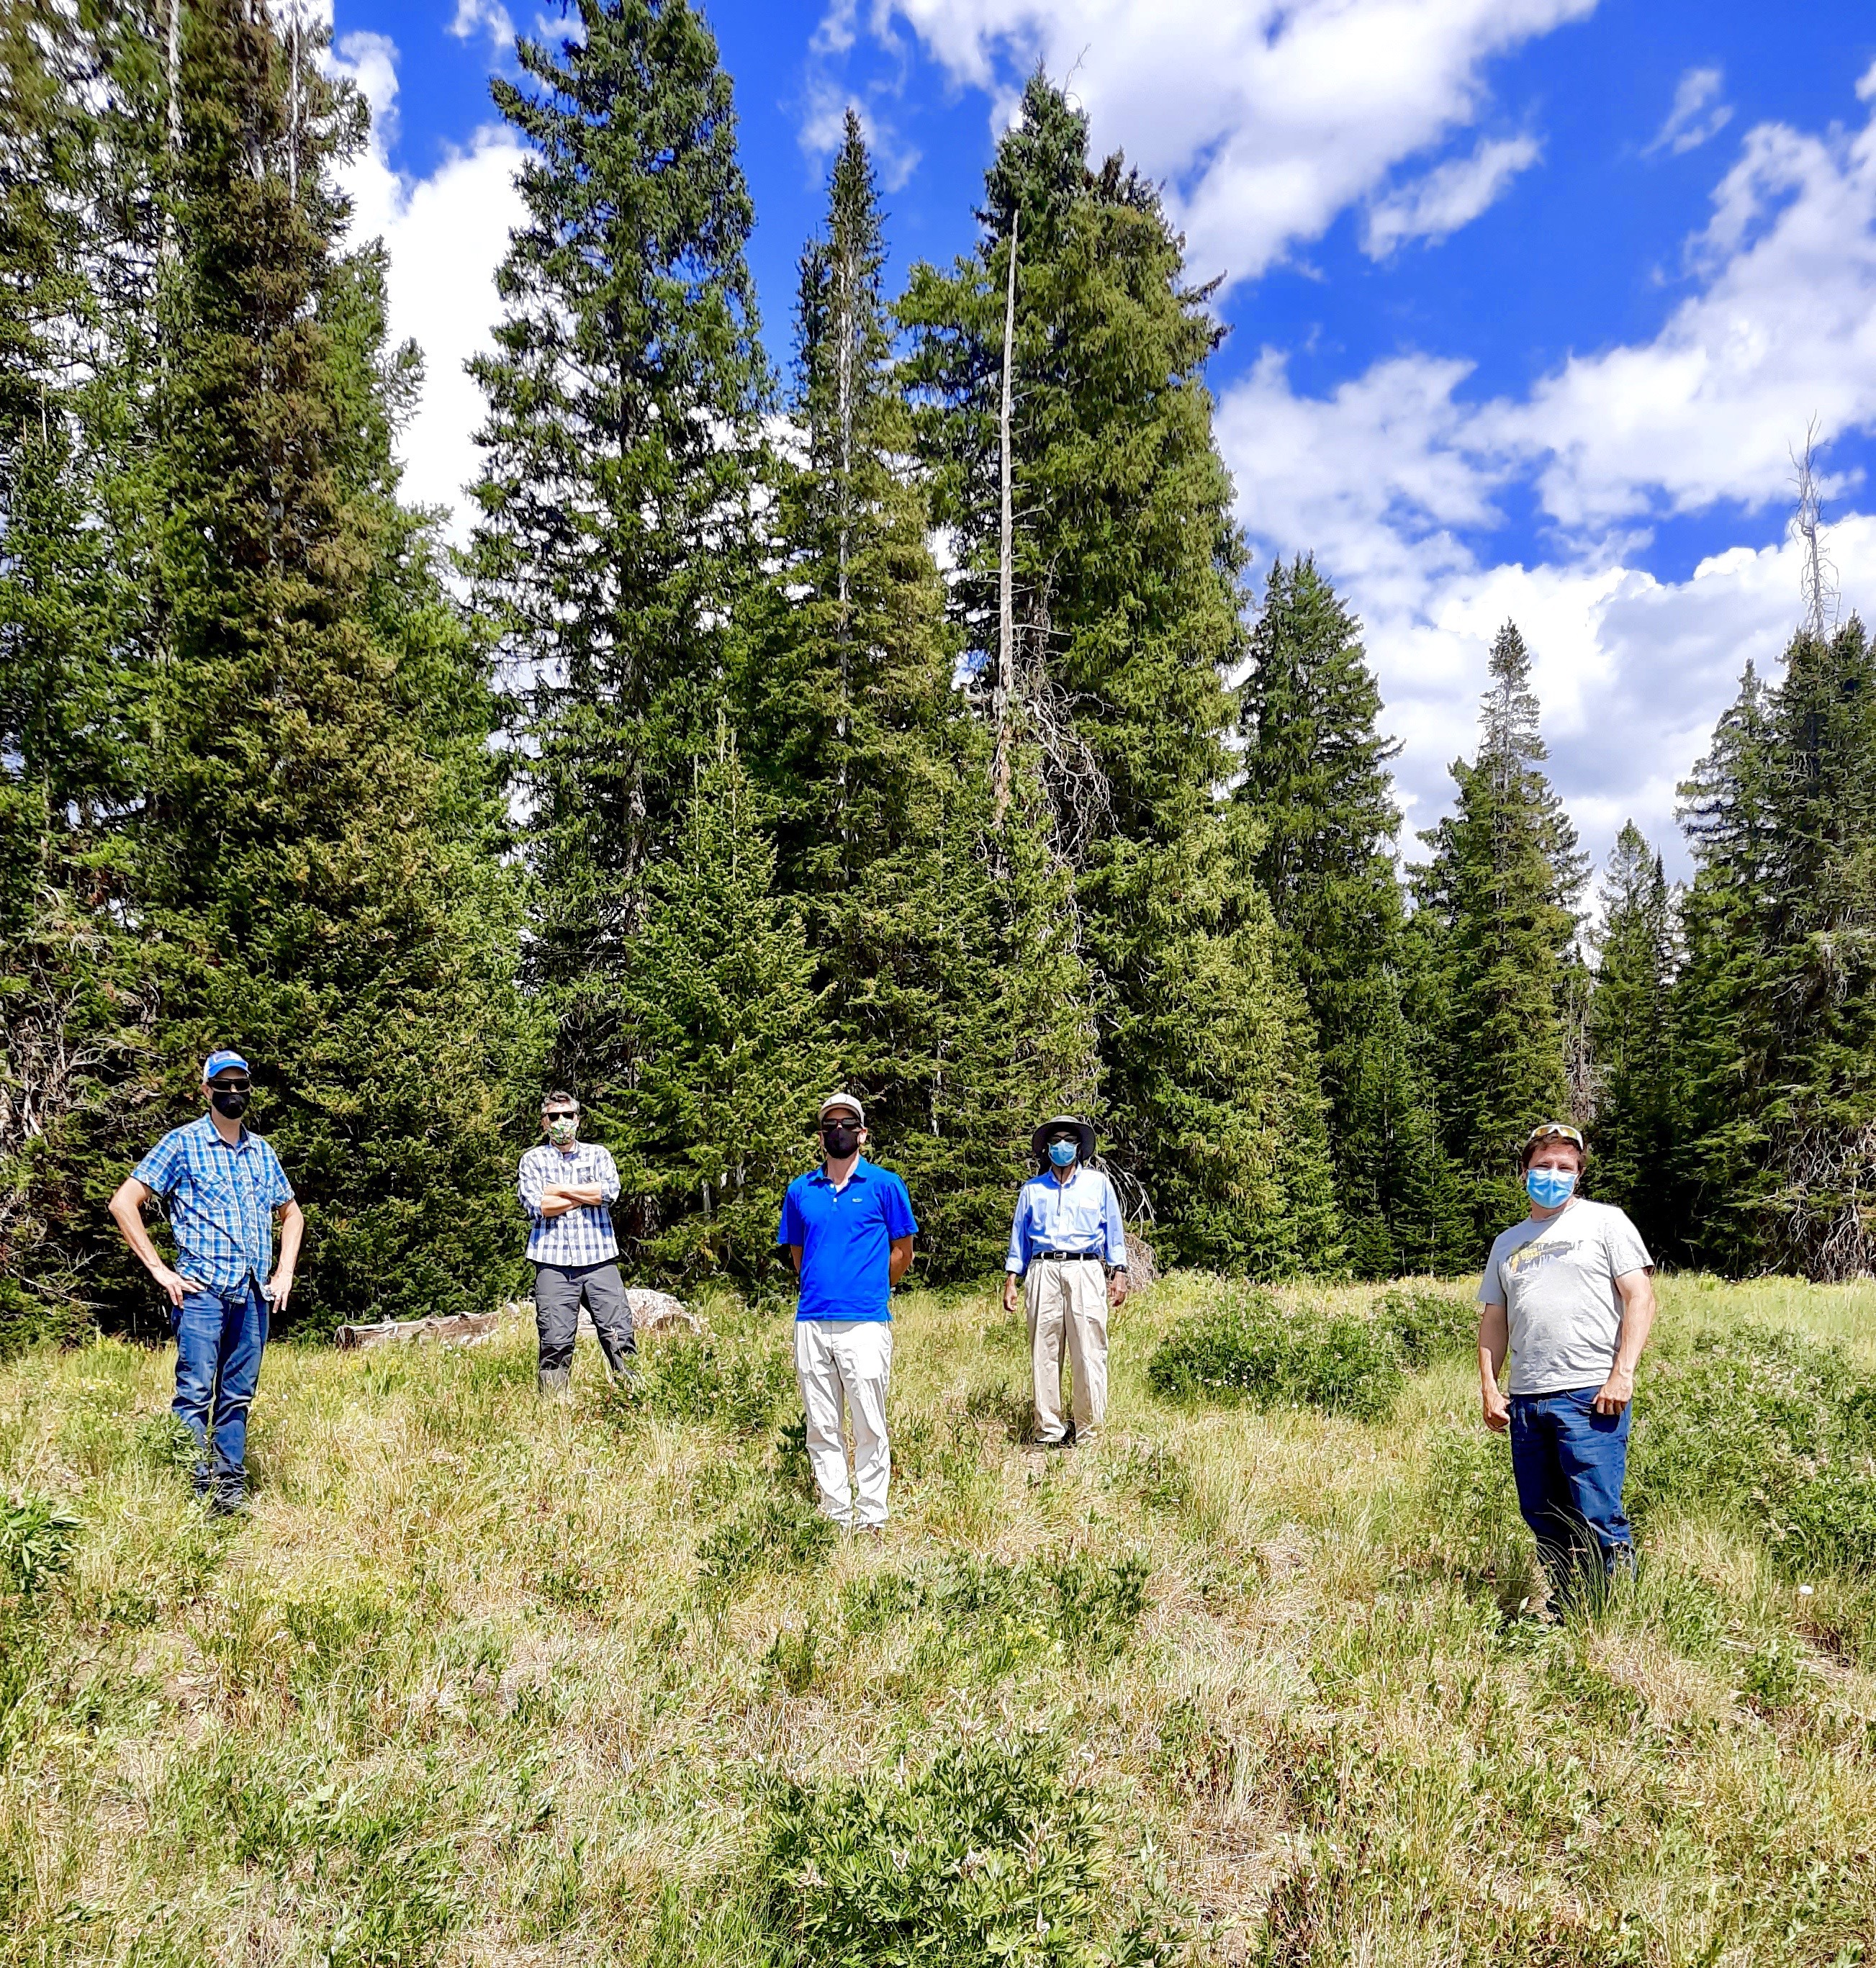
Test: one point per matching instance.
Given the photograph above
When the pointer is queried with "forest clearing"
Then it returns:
(488, 1678)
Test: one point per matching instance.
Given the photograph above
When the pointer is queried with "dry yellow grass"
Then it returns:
(458, 1691)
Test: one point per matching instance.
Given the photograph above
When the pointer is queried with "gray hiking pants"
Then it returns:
(558, 1290)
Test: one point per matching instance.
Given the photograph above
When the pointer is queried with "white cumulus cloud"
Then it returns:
(483, 17)
(1450, 195)
(1265, 120)
(1697, 113)
(1395, 480)
(446, 233)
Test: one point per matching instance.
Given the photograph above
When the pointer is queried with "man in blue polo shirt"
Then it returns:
(222, 1185)
(848, 1227)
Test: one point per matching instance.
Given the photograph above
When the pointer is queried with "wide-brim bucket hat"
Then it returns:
(1084, 1133)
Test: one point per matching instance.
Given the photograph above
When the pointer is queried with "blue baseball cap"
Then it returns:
(220, 1062)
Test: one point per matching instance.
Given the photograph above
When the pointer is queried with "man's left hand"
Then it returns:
(279, 1288)
(1616, 1392)
(1117, 1289)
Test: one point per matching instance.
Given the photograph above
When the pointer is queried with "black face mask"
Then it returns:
(840, 1142)
(231, 1101)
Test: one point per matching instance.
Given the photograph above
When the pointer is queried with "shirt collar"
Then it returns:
(861, 1170)
(205, 1125)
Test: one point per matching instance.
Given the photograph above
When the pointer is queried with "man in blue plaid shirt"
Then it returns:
(566, 1185)
(221, 1186)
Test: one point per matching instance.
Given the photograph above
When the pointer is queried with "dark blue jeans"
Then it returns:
(1570, 1462)
(220, 1335)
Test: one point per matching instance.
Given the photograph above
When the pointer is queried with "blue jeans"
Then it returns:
(220, 1335)
(1570, 1462)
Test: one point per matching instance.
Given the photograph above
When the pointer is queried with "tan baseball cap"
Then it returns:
(849, 1101)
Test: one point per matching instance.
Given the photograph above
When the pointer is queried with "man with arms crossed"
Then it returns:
(566, 1185)
(222, 1185)
(1569, 1291)
(1068, 1240)
(848, 1227)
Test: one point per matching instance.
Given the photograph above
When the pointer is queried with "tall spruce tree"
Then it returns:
(614, 540)
(73, 991)
(878, 776)
(316, 860)
(1819, 1209)
(1316, 779)
(1726, 812)
(1632, 1035)
(720, 1005)
(1127, 570)
(1497, 906)
(1779, 1001)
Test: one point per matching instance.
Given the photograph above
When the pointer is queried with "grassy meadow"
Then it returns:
(488, 1679)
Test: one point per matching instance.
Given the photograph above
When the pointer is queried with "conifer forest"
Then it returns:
(883, 698)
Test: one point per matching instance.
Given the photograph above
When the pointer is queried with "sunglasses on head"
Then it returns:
(1554, 1131)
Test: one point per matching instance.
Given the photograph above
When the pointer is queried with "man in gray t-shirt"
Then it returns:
(1568, 1293)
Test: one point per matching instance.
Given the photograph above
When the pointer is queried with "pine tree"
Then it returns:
(1631, 1028)
(877, 772)
(716, 1122)
(615, 536)
(1499, 897)
(1241, 1170)
(317, 858)
(1818, 1208)
(74, 990)
(1725, 811)
(1316, 779)
(1126, 568)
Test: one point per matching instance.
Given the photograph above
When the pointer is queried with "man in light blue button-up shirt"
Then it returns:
(1069, 1242)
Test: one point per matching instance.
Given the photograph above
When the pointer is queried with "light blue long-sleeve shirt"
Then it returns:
(1081, 1214)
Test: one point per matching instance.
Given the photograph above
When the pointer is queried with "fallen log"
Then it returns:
(462, 1329)
(652, 1312)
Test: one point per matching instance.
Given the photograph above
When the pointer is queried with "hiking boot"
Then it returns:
(556, 1380)
(228, 1500)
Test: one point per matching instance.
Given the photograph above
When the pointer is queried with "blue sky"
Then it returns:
(1528, 299)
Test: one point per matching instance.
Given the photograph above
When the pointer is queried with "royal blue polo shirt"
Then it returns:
(846, 1237)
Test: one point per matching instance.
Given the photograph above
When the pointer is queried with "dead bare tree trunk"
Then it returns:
(1817, 575)
(1005, 571)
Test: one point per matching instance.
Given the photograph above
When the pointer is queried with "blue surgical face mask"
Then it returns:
(1062, 1153)
(1547, 1187)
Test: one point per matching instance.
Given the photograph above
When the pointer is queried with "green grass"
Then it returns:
(485, 1679)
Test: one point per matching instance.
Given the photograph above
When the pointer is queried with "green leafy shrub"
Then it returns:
(1429, 1326)
(994, 1614)
(991, 1852)
(1247, 1348)
(734, 1382)
(37, 1540)
(1774, 1430)
(776, 1530)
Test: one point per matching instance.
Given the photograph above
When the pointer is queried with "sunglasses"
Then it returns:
(1553, 1131)
(830, 1126)
(560, 1114)
(230, 1086)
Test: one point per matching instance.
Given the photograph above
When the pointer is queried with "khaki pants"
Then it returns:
(1067, 1302)
(844, 1367)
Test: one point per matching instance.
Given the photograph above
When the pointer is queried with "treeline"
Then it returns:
(904, 720)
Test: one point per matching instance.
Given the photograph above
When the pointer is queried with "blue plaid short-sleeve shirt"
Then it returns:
(221, 1202)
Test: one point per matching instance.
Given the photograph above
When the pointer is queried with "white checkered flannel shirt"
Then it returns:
(581, 1236)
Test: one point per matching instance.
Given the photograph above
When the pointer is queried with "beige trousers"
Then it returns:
(844, 1367)
(1068, 1302)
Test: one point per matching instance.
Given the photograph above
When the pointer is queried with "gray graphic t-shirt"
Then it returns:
(1556, 1281)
